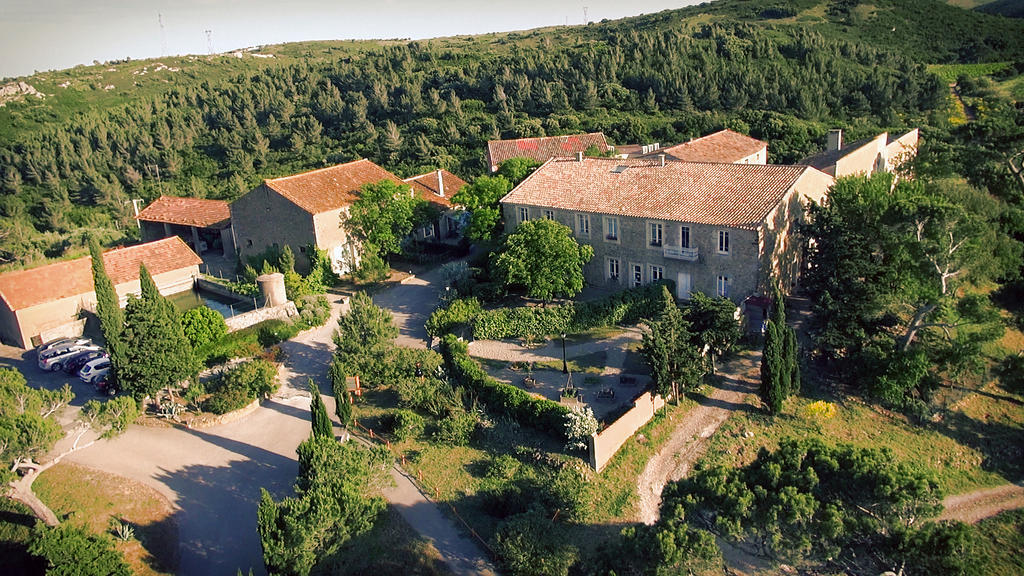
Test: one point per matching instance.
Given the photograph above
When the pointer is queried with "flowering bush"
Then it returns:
(580, 424)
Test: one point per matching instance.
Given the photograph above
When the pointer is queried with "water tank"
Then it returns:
(272, 289)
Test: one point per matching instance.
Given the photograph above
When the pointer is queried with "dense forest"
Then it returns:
(417, 106)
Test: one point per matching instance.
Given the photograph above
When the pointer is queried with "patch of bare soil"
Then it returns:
(736, 379)
(973, 507)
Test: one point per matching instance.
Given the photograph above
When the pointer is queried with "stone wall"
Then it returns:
(603, 445)
(286, 310)
(264, 219)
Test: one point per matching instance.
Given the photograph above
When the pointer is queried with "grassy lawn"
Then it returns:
(92, 498)
(1000, 541)
(950, 72)
(593, 363)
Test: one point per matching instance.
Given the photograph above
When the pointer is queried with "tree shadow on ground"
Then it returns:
(1001, 445)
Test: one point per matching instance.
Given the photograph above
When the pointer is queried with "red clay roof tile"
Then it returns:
(734, 195)
(188, 212)
(330, 188)
(543, 149)
(25, 288)
(722, 146)
(426, 186)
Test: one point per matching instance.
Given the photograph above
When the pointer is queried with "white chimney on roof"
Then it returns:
(662, 158)
(835, 140)
(579, 156)
(440, 183)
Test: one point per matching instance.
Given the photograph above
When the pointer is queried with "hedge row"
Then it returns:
(626, 307)
(539, 413)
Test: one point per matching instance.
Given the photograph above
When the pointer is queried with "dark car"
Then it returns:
(104, 385)
(75, 364)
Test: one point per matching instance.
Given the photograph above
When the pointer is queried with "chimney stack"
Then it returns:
(835, 140)
(579, 156)
(440, 183)
(662, 158)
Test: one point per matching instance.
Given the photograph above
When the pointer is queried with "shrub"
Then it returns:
(276, 331)
(203, 325)
(258, 377)
(460, 312)
(530, 544)
(314, 310)
(406, 424)
(503, 398)
(502, 467)
(456, 430)
(580, 424)
(228, 399)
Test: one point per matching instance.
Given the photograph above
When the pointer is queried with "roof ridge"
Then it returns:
(547, 137)
(307, 173)
(426, 174)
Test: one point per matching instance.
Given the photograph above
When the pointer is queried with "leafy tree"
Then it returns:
(671, 546)
(322, 427)
(71, 550)
(713, 324)
(529, 544)
(383, 216)
(334, 501)
(157, 354)
(481, 199)
(515, 170)
(203, 325)
(543, 257)
(669, 350)
(364, 341)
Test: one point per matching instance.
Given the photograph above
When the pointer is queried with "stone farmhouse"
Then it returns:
(204, 224)
(308, 209)
(718, 228)
(40, 304)
(881, 153)
(543, 149)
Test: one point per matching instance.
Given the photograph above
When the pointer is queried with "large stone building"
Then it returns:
(545, 148)
(721, 229)
(43, 303)
(307, 209)
(203, 224)
(883, 153)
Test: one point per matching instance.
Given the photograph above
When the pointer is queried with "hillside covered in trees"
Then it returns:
(213, 127)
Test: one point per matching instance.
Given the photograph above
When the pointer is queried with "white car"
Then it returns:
(94, 370)
(54, 358)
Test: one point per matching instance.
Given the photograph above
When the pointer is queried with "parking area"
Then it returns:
(25, 362)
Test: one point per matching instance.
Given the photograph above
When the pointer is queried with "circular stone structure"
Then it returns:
(272, 288)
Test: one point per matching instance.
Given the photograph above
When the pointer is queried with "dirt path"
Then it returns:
(737, 379)
(975, 506)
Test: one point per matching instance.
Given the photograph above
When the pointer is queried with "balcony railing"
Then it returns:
(677, 253)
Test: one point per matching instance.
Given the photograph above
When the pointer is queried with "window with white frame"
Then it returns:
(654, 233)
(583, 224)
(723, 241)
(638, 275)
(611, 228)
(428, 231)
(524, 214)
(722, 289)
(549, 214)
(684, 236)
(613, 269)
(657, 273)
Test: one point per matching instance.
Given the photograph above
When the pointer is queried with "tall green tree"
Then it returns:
(71, 550)
(336, 498)
(322, 427)
(515, 170)
(108, 306)
(543, 257)
(157, 354)
(481, 199)
(364, 343)
(383, 216)
(713, 324)
(773, 367)
(669, 350)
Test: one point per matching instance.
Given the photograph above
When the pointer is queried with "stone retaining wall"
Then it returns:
(237, 322)
(603, 445)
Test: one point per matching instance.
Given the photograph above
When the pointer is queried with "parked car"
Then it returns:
(73, 365)
(94, 369)
(54, 358)
(62, 342)
(104, 385)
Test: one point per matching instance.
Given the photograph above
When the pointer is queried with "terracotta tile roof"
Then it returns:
(24, 288)
(734, 195)
(827, 160)
(426, 186)
(188, 212)
(543, 149)
(721, 146)
(329, 188)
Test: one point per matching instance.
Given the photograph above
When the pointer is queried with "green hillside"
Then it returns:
(213, 126)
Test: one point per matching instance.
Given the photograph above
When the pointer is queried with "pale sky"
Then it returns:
(54, 34)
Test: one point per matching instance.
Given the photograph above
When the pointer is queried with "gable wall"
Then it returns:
(263, 218)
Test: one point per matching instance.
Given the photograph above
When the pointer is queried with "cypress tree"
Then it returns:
(772, 367)
(108, 307)
(322, 427)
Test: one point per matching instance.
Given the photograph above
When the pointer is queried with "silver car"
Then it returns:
(54, 358)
